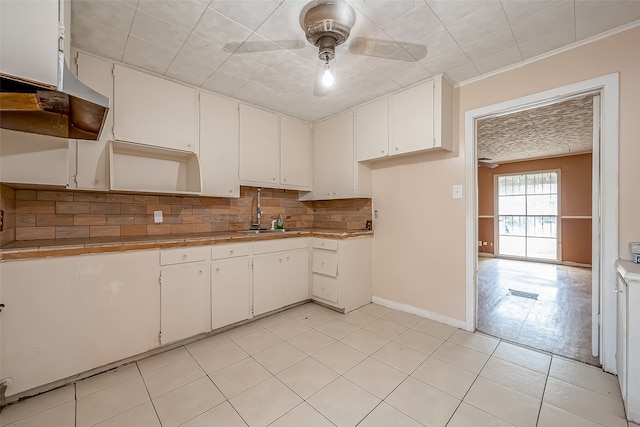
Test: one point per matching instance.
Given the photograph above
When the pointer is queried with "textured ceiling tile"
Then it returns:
(558, 129)
(383, 12)
(154, 30)
(594, 17)
(204, 51)
(281, 25)
(224, 83)
(189, 70)
(488, 63)
(415, 24)
(250, 13)
(183, 13)
(219, 29)
(490, 44)
(450, 13)
(98, 38)
(242, 67)
(491, 32)
(480, 24)
(518, 10)
(146, 55)
(462, 73)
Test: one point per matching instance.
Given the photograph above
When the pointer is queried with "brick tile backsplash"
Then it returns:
(46, 214)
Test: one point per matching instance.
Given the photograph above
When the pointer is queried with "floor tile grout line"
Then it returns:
(544, 390)
(471, 386)
(155, 410)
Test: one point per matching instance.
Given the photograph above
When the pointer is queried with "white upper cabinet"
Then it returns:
(29, 40)
(337, 175)
(154, 111)
(414, 120)
(275, 151)
(372, 130)
(259, 147)
(91, 173)
(219, 146)
(420, 118)
(295, 154)
(29, 158)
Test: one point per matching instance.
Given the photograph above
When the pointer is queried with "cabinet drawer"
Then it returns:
(325, 288)
(328, 244)
(229, 251)
(280, 245)
(182, 255)
(325, 262)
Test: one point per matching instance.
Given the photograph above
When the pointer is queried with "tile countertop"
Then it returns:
(65, 247)
(629, 270)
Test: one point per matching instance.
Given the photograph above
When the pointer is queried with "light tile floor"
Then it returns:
(310, 366)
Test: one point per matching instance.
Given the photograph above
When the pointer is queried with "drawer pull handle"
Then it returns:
(184, 256)
(200, 273)
(619, 291)
(218, 270)
(231, 252)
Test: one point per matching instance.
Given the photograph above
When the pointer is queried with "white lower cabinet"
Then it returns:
(267, 283)
(185, 301)
(67, 315)
(230, 284)
(628, 337)
(280, 274)
(341, 272)
(295, 276)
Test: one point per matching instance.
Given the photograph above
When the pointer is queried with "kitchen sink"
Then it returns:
(277, 230)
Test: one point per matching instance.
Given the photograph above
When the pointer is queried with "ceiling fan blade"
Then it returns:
(262, 46)
(487, 164)
(386, 49)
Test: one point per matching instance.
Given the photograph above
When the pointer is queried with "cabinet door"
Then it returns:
(29, 158)
(295, 276)
(411, 120)
(154, 111)
(259, 146)
(219, 146)
(185, 301)
(230, 297)
(372, 130)
(621, 336)
(91, 173)
(295, 154)
(267, 283)
(78, 312)
(333, 155)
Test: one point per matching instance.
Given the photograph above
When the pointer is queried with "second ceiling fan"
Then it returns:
(326, 25)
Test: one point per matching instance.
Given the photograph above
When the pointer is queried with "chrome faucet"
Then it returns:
(258, 211)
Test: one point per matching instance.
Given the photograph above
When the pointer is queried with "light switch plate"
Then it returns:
(457, 191)
(157, 216)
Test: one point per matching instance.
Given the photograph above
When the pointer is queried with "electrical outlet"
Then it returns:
(479, 242)
(157, 216)
(484, 243)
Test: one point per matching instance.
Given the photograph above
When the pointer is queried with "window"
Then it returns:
(528, 215)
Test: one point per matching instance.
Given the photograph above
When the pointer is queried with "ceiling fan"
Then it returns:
(487, 163)
(327, 24)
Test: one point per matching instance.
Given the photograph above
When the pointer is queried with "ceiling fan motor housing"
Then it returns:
(327, 25)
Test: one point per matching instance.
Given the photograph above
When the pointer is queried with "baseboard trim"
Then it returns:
(486, 254)
(456, 323)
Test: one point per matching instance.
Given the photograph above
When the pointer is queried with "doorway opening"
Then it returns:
(603, 237)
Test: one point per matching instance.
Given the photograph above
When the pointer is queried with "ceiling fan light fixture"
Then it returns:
(327, 76)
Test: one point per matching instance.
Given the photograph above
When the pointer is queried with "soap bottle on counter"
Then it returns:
(280, 223)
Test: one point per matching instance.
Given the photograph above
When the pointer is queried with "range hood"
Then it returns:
(69, 110)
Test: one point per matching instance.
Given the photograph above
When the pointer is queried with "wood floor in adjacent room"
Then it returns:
(558, 320)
